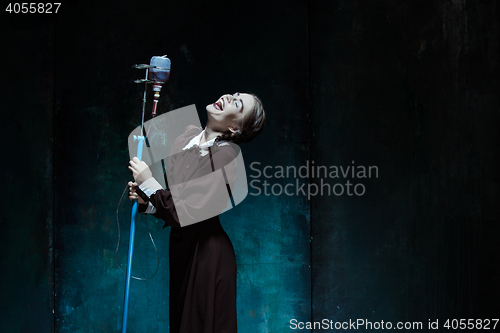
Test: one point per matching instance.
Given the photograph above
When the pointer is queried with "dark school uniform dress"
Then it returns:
(202, 259)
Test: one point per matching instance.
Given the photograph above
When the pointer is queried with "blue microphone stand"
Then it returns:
(160, 71)
(140, 144)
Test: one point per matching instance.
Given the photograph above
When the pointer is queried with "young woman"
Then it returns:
(201, 176)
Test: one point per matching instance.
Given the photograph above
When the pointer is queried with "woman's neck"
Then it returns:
(208, 135)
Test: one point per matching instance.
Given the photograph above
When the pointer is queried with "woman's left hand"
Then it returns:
(132, 194)
(140, 170)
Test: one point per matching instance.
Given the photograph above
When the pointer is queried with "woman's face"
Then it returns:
(228, 111)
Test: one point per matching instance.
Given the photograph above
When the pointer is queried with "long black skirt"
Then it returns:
(202, 279)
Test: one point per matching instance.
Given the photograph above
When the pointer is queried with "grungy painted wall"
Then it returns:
(410, 87)
(97, 105)
(26, 219)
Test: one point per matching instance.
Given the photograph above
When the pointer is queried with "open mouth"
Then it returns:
(219, 105)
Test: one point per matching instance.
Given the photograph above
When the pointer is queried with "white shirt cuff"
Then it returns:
(151, 209)
(150, 186)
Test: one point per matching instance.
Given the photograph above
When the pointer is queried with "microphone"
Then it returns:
(161, 72)
(159, 75)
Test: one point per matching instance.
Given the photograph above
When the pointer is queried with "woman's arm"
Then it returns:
(193, 200)
(153, 199)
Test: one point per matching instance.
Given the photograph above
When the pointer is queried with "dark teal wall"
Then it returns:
(27, 220)
(214, 49)
(409, 87)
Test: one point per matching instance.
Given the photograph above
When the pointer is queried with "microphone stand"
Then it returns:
(140, 144)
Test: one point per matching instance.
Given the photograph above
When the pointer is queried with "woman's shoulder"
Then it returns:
(190, 132)
(226, 151)
(192, 129)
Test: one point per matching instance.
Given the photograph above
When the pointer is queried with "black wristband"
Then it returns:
(141, 194)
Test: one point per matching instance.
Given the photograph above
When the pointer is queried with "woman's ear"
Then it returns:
(233, 129)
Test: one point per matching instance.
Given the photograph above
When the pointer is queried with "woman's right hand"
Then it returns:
(132, 194)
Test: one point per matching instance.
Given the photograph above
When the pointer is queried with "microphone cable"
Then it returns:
(118, 243)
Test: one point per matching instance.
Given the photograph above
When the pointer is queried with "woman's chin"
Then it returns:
(211, 109)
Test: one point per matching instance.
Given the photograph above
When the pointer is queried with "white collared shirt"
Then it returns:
(195, 141)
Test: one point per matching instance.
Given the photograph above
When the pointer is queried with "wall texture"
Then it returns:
(411, 88)
(408, 87)
(97, 105)
(27, 218)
